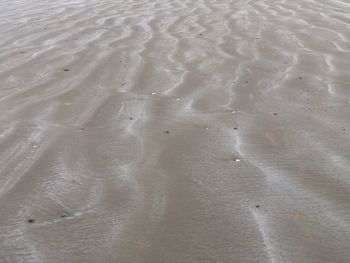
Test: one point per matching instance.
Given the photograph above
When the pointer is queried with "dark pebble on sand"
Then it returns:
(257, 206)
(131, 118)
(66, 214)
(167, 131)
(82, 129)
(66, 69)
(300, 77)
(275, 114)
(31, 221)
(235, 128)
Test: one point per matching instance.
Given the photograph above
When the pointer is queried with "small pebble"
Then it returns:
(167, 131)
(131, 118)
(236, 158)
(35, 146)
(66, 214)
(235, 128)
(275, 114)
(300, 77)
(257, 206)
(66, 69)
(178, 99)
(31, 220)
(153, 93)
(82, 129)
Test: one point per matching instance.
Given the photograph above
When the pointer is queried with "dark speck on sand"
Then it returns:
(31, 220)
(66, 214)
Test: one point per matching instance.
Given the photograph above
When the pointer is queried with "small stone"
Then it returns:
(233, 111)
(131, 118)
(300, 77)
(275, 114)
(235, 128)
(178, 99)
(31, 220)
(167, 132)
(82, 129)
(66, 69)
(236, 158)
(35, 146)
(257, 206)
(66, 214)
(153, 93)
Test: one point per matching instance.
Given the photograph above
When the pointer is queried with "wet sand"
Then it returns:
(175, 131)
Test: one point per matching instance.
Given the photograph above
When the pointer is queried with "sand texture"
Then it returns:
(175, 131)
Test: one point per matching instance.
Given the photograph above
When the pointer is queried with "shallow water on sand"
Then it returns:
(175, 131)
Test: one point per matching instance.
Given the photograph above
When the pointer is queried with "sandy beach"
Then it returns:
(175, 131)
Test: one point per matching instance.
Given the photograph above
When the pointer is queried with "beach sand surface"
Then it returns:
(175, 131)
